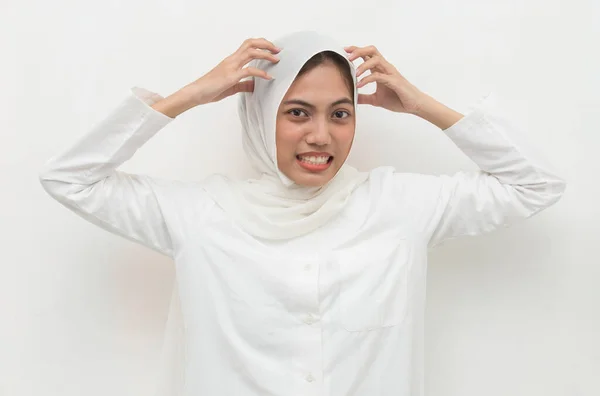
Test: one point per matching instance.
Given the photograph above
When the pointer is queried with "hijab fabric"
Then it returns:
(273, 206)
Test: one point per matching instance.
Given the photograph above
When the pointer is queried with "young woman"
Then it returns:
(310, 279)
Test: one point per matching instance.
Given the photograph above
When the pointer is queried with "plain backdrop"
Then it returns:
(515, 312)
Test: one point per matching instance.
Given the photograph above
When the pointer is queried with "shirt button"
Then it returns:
(309, 378)
(309, 319)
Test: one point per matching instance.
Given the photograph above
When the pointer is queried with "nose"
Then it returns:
(319, 134)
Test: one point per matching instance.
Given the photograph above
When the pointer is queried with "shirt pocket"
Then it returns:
(374, 285)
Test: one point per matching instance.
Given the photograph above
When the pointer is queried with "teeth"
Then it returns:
(315, 160)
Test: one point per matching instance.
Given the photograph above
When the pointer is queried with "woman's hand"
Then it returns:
(393, 92)
(224, 79)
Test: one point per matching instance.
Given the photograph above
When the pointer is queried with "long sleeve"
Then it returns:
(85, 179)
(514, 182)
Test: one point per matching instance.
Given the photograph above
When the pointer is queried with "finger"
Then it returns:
(366, 99)
(253, 53)
(376, 63)
(260, 43)
(363, 51)
(352, 48)
(253, 71)
(244, 86)
(370, 64)
(372, 50)
(354, 56)
(373, 77)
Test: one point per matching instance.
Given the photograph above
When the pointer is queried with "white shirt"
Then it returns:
(337, 312)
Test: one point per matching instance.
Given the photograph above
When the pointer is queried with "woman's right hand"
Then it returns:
(224, 79)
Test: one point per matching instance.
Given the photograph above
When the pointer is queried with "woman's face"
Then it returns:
(315, 126)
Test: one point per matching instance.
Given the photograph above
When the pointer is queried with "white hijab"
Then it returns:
(273, 206)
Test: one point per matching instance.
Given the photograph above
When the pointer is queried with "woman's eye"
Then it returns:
(337, 113)
(295, 112)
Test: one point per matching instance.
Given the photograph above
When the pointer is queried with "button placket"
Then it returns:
(309, 272)
(308, 265)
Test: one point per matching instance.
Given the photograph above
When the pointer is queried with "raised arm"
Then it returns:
(85, 179)
(514, 181)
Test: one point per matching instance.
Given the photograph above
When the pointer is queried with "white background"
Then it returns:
(515, 312)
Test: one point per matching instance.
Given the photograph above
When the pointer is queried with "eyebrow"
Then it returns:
(311, 106)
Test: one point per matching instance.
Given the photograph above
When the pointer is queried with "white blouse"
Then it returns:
(337, 312)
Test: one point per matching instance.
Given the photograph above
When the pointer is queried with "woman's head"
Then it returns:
(294, 113)
(316, 121)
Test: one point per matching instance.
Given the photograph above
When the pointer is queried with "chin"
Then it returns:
(308, 179)
(316, 182)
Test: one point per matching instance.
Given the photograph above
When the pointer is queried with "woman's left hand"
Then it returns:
(393, 91)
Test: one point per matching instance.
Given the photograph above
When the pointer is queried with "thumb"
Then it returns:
(244, 86)
(366, 99)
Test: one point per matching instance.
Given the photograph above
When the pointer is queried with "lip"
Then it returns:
(314, 167)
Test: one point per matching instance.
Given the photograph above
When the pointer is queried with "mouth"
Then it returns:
(314, 164)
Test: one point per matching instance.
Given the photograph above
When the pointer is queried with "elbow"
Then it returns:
(43, 177)
(556, 188)
(562, 186)
(543, 195)
(50, 181)
(58, 181)
(46, 171)
(47, 183)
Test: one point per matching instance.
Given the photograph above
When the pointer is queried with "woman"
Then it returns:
(311, 278)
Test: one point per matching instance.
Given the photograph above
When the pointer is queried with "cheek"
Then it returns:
(345, 137)
(288, 136)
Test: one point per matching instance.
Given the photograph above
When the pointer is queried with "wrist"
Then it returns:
(424, 105)
(436, 113)
(175, 104)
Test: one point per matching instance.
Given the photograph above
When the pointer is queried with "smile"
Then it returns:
(314, 164)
